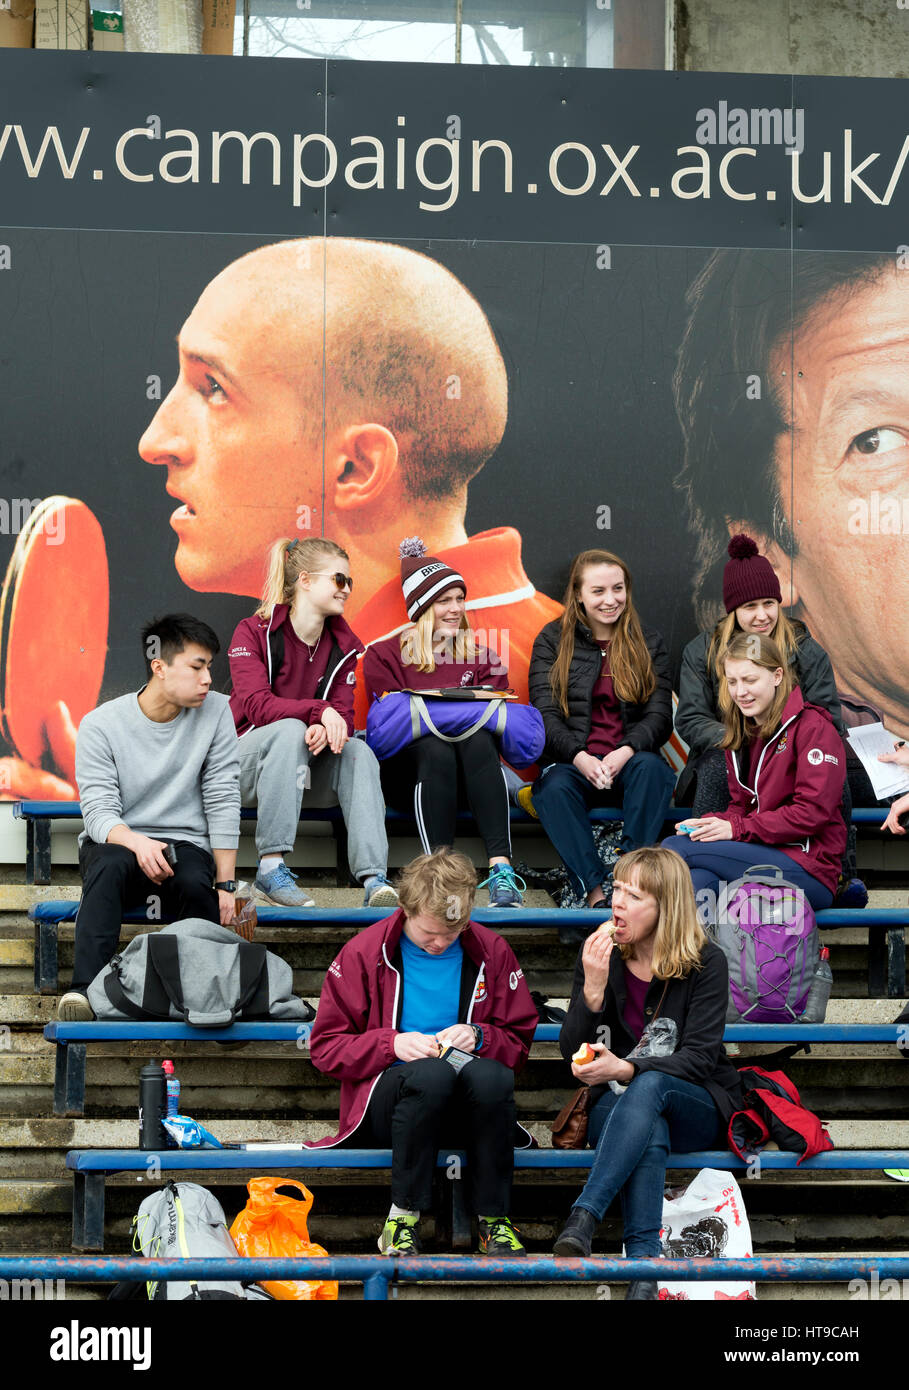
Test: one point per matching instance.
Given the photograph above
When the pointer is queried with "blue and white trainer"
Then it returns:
(280, 887)
(503, 886)
(378, 892)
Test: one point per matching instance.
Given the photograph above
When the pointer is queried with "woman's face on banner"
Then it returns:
(231, 433)
(848, 453)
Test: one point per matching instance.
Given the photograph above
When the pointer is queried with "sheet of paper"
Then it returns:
(887, 779)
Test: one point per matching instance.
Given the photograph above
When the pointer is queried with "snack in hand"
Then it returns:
(609, 927)
(584, 1054)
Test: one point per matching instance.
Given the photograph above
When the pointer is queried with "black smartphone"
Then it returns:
(456, 1057)
(170, 854)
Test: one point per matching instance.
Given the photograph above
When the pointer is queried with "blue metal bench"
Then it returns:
(885, 927)
(90, 1167)
(39, 814)
(47, 917)
(376, 1272)
(72, 1040)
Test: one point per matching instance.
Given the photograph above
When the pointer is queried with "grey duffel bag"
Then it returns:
(196, 972)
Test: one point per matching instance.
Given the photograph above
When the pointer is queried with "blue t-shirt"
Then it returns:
(432, 987)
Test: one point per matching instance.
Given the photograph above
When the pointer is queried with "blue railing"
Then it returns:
(377, 1272)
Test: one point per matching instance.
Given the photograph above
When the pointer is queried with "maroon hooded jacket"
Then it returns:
(360, 1006)
(263, 695)
(794, 802)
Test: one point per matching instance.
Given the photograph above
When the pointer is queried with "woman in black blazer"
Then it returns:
(601, 682)
(652, 962)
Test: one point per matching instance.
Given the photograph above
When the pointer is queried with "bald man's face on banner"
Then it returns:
(339, 387)
(240, 436)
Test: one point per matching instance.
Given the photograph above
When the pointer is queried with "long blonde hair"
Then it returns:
(680, 939)
(764, 652)
(417, 642)
(632, 669)
(287, 560)
(785, 634)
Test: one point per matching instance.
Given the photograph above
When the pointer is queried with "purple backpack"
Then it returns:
(768, 933)
(400, 718)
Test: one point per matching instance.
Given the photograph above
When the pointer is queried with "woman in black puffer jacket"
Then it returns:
(601, 682)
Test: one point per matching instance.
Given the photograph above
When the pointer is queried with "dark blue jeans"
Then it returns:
(562, 796)
(723, 861)
(633, 1135)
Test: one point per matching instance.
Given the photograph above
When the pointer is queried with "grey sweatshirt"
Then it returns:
(177, 781)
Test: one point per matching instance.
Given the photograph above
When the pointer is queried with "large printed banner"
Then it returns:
(519, 313)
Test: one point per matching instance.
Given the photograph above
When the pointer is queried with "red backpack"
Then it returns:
(773, 1111)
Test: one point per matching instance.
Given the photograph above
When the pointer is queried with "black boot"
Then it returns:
(641, 1290)
(577, 1234)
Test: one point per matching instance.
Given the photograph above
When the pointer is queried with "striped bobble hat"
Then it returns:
(423, 577)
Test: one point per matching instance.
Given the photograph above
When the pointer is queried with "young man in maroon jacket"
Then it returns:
(399, 995)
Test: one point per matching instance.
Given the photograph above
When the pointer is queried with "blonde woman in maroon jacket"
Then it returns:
(786, 768)
(438, 650)
(293, 667)
(401, 992)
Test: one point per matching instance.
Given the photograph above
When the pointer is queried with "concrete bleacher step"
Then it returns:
(262, 1090)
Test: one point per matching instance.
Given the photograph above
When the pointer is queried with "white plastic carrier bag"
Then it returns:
(706, 1220)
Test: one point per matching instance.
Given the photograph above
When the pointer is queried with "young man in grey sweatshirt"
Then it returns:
(158, 776)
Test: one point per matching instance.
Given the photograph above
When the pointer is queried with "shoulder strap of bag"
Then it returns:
(254, 998)
(418, 710)
(660, 1005)
(162, 977)
(120, 1000)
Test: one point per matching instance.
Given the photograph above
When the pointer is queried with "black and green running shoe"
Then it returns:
(499, 1237)
(399, 1236)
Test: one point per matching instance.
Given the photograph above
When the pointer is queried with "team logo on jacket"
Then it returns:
(815, 756)
(514, 977)
(467, 678)
(351, 677)
(481, 992)
(783, 743)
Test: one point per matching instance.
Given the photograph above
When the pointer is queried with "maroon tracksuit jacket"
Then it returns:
(353, 1036)
(263, 696)
(794, 800)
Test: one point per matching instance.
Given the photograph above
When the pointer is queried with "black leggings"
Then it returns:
(433, 778)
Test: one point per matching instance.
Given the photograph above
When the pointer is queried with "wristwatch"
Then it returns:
(227, 885)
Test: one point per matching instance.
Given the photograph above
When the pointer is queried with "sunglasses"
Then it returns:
(342, 581)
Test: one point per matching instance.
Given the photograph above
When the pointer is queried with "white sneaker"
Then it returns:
(75, 1008)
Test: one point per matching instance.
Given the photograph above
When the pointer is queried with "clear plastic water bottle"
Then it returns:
(816, 1005)
(173, 1089)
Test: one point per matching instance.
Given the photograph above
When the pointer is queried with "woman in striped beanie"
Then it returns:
(437, 650)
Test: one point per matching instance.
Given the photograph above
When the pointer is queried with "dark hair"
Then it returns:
(165, 637)
(742, 306)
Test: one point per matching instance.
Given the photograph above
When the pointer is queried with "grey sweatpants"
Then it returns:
(278, 775)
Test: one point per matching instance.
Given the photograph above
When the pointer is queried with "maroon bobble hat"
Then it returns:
(748, 576)
(423, 577)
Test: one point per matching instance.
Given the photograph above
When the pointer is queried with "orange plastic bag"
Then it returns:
(273, 1224)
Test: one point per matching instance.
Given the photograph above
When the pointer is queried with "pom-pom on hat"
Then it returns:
(423, 577)
(748, 576)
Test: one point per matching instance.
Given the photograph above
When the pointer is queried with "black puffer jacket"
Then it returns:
(647, 725)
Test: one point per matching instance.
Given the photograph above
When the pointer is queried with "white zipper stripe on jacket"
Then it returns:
(480, 977)
(757, 773)
(394, 1014)
(353, 652)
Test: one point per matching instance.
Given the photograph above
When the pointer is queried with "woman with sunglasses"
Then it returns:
(293, 668)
